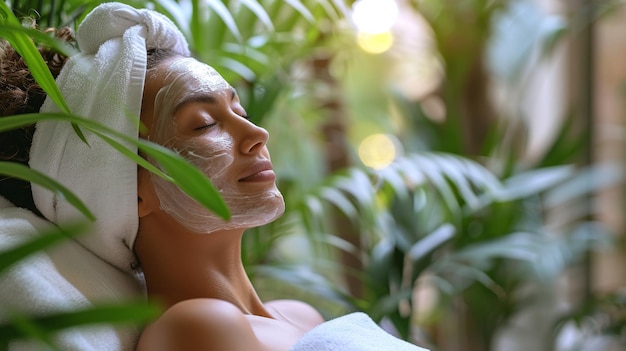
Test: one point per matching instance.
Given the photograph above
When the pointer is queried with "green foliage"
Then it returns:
(447, 221)
(252, 43)
(481, 233)
(42, 328)
(14, 255)
(16, 170)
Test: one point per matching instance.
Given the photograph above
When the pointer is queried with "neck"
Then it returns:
(180, 265)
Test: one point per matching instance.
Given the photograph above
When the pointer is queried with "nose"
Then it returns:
(253, 137)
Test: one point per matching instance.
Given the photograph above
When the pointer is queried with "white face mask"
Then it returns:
(213, 153)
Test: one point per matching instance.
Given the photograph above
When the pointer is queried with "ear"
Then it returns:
(147, 201)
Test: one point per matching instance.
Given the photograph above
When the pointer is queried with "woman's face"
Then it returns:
(189, 108)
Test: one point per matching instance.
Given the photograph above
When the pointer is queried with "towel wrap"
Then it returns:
(104, 83)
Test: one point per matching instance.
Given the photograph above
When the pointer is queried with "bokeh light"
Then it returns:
(375, 43)
(374, 16)
(378, 150)
(373, 20)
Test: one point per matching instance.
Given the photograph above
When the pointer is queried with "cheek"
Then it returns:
(212, 155)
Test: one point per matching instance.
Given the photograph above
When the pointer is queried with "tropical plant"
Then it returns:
(446, 221)
(485, 233)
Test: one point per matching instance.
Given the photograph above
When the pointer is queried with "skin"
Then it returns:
(209, 302)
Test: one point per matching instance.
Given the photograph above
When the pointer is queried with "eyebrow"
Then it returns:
(203, 98)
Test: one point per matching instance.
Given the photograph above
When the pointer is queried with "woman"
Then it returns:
(135, 61)
(190, 257)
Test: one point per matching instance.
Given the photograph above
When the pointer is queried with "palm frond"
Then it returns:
(42, 328)
(43, 241)
(188, 177)
(17, 170)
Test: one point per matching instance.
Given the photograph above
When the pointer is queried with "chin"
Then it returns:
(258, 211)
(246, 212)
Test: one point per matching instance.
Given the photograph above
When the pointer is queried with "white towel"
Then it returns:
(65, 277)
(352, 332)
(103, 83)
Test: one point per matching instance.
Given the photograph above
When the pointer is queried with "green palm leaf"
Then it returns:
(260, 13)
(42, 327)
(44, 240)
(301, 9)
(180, 171)
(18, 170)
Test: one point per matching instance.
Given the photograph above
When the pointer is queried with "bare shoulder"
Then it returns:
(295, 312)
(200, 324)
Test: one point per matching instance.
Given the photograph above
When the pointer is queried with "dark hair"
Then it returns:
(19, 94)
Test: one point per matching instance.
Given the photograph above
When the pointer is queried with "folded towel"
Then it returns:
(63, 278)
(103, 83)
(352, 332)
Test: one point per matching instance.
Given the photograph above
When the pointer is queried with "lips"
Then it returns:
(259, 172)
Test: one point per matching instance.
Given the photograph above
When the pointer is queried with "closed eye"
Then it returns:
(210, 125)
(207, 126)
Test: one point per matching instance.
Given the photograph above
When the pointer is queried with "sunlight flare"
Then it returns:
(378, 150)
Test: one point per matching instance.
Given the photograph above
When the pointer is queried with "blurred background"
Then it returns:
(454, 168)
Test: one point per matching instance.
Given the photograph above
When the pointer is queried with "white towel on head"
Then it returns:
(352, 332)
(104, 83)
(63, 278)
